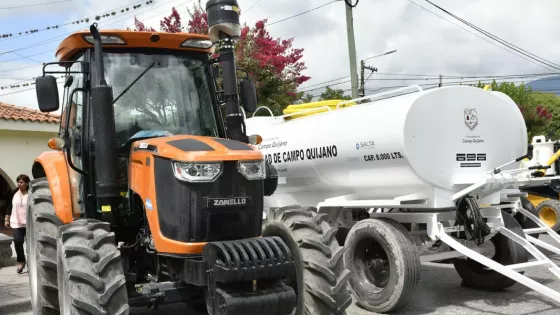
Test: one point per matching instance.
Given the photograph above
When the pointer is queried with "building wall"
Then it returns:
(18, 150)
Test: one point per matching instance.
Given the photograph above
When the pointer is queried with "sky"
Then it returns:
(427, 45)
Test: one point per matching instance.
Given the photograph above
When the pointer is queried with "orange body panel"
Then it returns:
(75, 43)
(142, 180)
(54, 164)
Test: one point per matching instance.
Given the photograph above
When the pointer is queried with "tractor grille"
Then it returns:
(184, 214)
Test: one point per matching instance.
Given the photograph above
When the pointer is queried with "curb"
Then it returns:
(16, 305)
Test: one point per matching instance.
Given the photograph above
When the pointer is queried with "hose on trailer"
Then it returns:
(475, 226)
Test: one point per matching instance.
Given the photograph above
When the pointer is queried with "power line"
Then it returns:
(302, 13)
(97, 17)
(33, 5)
(501, 41)
(62, 36)
(406, 77)
(252, 6)
(486, 40)
(54, 39)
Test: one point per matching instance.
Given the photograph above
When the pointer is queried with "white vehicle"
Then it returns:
(401, 173)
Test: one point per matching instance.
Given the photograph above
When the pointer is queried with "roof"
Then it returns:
(76, 43)
(12, 112)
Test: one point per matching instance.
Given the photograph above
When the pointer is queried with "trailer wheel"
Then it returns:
(525, 222)
(549, 212)
(507, 252)
(322, 278)
(42, 232)
(384, 265)
(90, 272)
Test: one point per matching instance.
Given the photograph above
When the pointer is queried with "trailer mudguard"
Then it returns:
(52, 165)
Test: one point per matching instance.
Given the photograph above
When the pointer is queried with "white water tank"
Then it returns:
(434, 143)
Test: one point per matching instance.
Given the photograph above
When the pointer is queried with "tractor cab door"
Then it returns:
(72, 125)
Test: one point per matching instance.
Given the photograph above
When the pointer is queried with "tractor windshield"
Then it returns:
(166, 93)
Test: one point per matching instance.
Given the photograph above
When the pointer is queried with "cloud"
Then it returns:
(425, 43)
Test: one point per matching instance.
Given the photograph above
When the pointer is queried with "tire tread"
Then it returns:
(46, 224)
(325, 278)
(92, 260)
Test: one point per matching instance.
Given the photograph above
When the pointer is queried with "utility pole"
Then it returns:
(363, 66)
(351, 50)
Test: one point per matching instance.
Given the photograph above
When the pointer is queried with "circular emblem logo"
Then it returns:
(357, 146)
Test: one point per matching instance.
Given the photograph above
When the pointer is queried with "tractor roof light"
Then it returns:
(223, 17)
(197, 43)
(205, 172)
(106, 39)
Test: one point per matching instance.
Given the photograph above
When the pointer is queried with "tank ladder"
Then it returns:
(511, 271)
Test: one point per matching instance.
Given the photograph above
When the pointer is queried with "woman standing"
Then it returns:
(16, 219)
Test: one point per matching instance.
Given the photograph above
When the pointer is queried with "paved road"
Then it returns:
(440, 293)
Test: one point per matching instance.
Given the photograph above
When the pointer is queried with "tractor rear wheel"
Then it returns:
(90, 273)
(384, 263)
(322, 278)
(42, 232)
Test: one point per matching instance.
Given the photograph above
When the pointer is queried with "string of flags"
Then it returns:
(22, 85)
(97, 17)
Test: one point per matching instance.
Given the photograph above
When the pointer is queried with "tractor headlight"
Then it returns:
(205, 172)
(252, 170)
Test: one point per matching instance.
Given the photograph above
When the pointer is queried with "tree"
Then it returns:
(536, 116)
(272, 64)
(552, 103)
(333, 94)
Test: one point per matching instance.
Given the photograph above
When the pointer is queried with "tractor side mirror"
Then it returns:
(47, 93)
(248, 95)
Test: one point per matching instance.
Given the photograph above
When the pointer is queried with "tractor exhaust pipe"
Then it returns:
(224, 28)
(107, 189)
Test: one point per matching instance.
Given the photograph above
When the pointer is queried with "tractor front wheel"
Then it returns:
(42, 232)
(321, 277)
(90, 273)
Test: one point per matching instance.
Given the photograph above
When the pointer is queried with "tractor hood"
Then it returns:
(196, 148)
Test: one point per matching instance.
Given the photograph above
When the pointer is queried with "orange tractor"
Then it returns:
(150, 196)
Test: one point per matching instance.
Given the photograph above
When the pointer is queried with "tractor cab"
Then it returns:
(163, 85)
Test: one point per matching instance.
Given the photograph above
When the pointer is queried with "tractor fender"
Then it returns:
(52, 165)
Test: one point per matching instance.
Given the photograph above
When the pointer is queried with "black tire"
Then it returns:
(525, 222)
(548, 212)
(398, 252)
(322, 280)
(41, 236)
(508, 252)
(90, 272)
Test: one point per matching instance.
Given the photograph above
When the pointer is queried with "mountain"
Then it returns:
(546, 85)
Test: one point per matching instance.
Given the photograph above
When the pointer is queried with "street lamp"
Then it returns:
(363, 66)
(383, 54)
